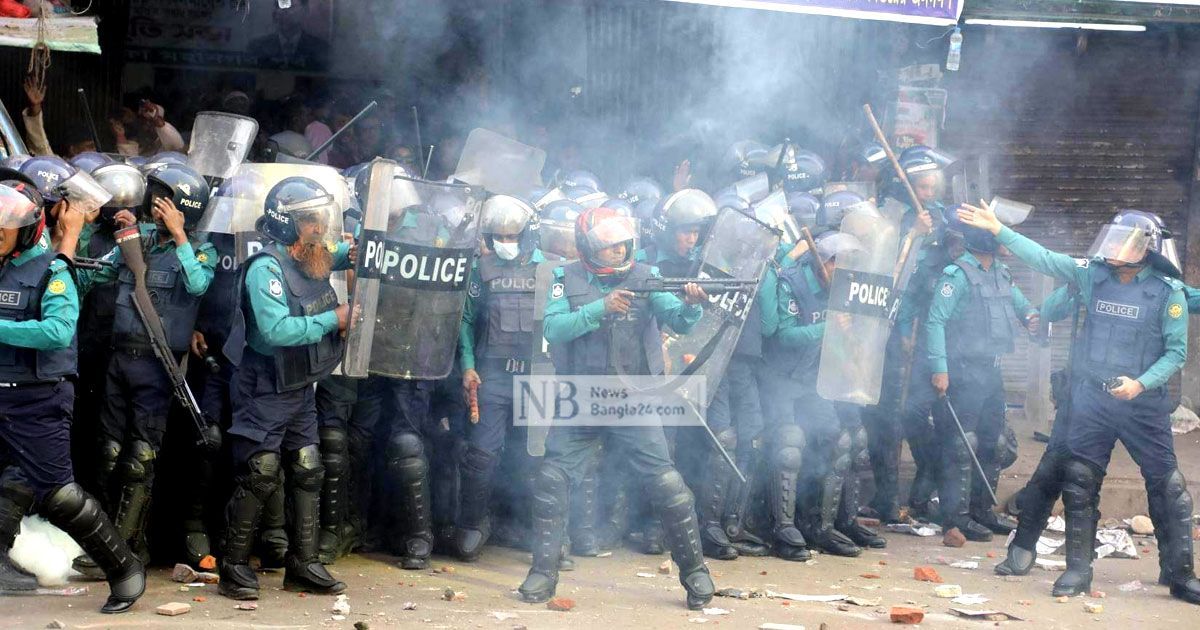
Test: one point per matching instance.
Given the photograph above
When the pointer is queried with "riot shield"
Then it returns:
(860, 301)
(540, 363)
(414, 264)
(498, 164)
(866, 190)
(220, 142)
(238, 201)
(737, 247)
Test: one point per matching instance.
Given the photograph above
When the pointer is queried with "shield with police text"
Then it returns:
(858, 319)
(414, 266)
(738, 248)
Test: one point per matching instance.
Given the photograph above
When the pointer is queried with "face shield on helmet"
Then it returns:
(1124, 244)
(832, 244)
(556, 229)
(18, 213)
(512, 219)
(599, 229)
(686, 209)
(774, 212)
(299, 209)
(754, 188)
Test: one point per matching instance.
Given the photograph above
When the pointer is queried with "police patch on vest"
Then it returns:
(793, 307)
(56, 287)
(275, 287)
(947, 289)
(1127, 311)
(413, 266)
(10, 299)
(1175, 311)
(860, 293)
(557, 290)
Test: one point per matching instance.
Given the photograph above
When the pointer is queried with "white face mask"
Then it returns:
(506, 251)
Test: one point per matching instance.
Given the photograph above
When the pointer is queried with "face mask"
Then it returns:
(506, 251)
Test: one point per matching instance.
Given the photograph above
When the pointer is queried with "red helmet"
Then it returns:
(598, 228)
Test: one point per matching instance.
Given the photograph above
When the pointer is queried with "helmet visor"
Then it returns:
(610, 231)
(773, 211)
(1121, 243)
(834, 245)
(16, 210)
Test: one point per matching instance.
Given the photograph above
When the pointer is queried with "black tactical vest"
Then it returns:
(99, 306)
(219, 302)
(988, 322)
(175, 306)
(624, 344)
(504, 327)
(1123, 332)
(21, 290)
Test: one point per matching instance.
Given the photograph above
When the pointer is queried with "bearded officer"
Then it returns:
(286, 338)
(596, 328)
(1133, 341)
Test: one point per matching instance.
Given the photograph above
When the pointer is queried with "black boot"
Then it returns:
(251, 490)
(16, 499)
(583, 514)
(550, 500)
(714, 494)
(304, 572)
(615, 523)
(653, 537)
(410, 473)
(734, 520)
(1037, 501)
(673, 502)
(335, 457)
(851, 500)
(981, 500)
(472, 530)
(1177, 504)
(1081, 495)
(783, 474)
(77, 513)
(196, 543)
(825, 535)
(136, 472)
(955, 491)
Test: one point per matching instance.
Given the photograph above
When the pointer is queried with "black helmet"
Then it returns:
(48, 172)
(805, 209)
(835, 206)
(800, 170)
(582, 179)
(974, 238)
(686, 208)
(1135, 237)
(184, 186)
(745, 158)
(289, 201)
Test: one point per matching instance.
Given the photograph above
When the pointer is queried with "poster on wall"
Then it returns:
(231, 33)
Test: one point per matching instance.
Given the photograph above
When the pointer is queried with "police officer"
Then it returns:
(37, 337)
(285, 338)
(799, 170)
(594, 327)
(973, 321)
(138, 390)
(1134, 339)
(495, 344)
(794, 323)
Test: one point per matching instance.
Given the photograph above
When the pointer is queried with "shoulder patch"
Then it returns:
(57, 287)
(1174, 283)
(473, 289)
(275, 287)
(202, 257)
(1174, 310)
(792, 307)
(947, 289)
(1082, 263)
(557, 290)
(332, 247)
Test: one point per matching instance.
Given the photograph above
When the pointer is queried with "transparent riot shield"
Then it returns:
(866, 190)
(499, 164)
(540, 363)
(860, 302)
(415, 252)
(220, 142)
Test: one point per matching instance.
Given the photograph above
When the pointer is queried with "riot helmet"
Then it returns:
(581, 179)
(162, 158)
(48, 172)
(1166, 257)
(182, 185)
(1134, 237)
(89, 161)
(973, 238)
(800, 170)
(745, 158)
(597, 230)
(508, 216)
(19, 212)
(837, 205)
(556, 229)
(832, 243)
(124, 182)
(686, 210)
(805, 209)
(293, 204)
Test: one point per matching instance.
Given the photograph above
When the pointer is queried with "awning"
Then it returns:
(70, 34)
(935, 12)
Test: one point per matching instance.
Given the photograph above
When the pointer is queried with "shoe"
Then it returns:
(310, 577)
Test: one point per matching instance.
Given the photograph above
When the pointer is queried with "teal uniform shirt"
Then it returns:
(562, 325)
(790, 331)
(466, 332)
(199, 263)
(273, 325)
(1059, 305)
(949, 300)
(60, 308)
(1068, 269)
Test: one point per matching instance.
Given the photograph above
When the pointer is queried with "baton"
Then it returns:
(716, 442)
(420, 146)
(822, 274)
(87, 115)
(325, 145)
(963, 434)
(887, 148)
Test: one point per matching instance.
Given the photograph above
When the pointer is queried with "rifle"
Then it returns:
(675, 285)
(91, 263)
(130, 241)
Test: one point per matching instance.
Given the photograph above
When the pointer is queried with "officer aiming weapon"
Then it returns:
(130, 241)
(712, 286)
(328, 143)
(962, 434)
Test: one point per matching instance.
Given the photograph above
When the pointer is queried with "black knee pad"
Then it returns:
(1006, 448)
(551, 486)
(843, 444)
(110, 452)
(335, 453)
(137, 464)
(668, 489)
(69, 503)
(788, 448)
(305, 469)
(263, 479)
(728, 439)
(962, 450)
(1178, 498)
(1081, 483)
(405, 446)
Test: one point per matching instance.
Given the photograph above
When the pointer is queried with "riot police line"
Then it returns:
(355, 340)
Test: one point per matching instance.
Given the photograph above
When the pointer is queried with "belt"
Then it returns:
(34, 383)
(140, 352)
(510, 366)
